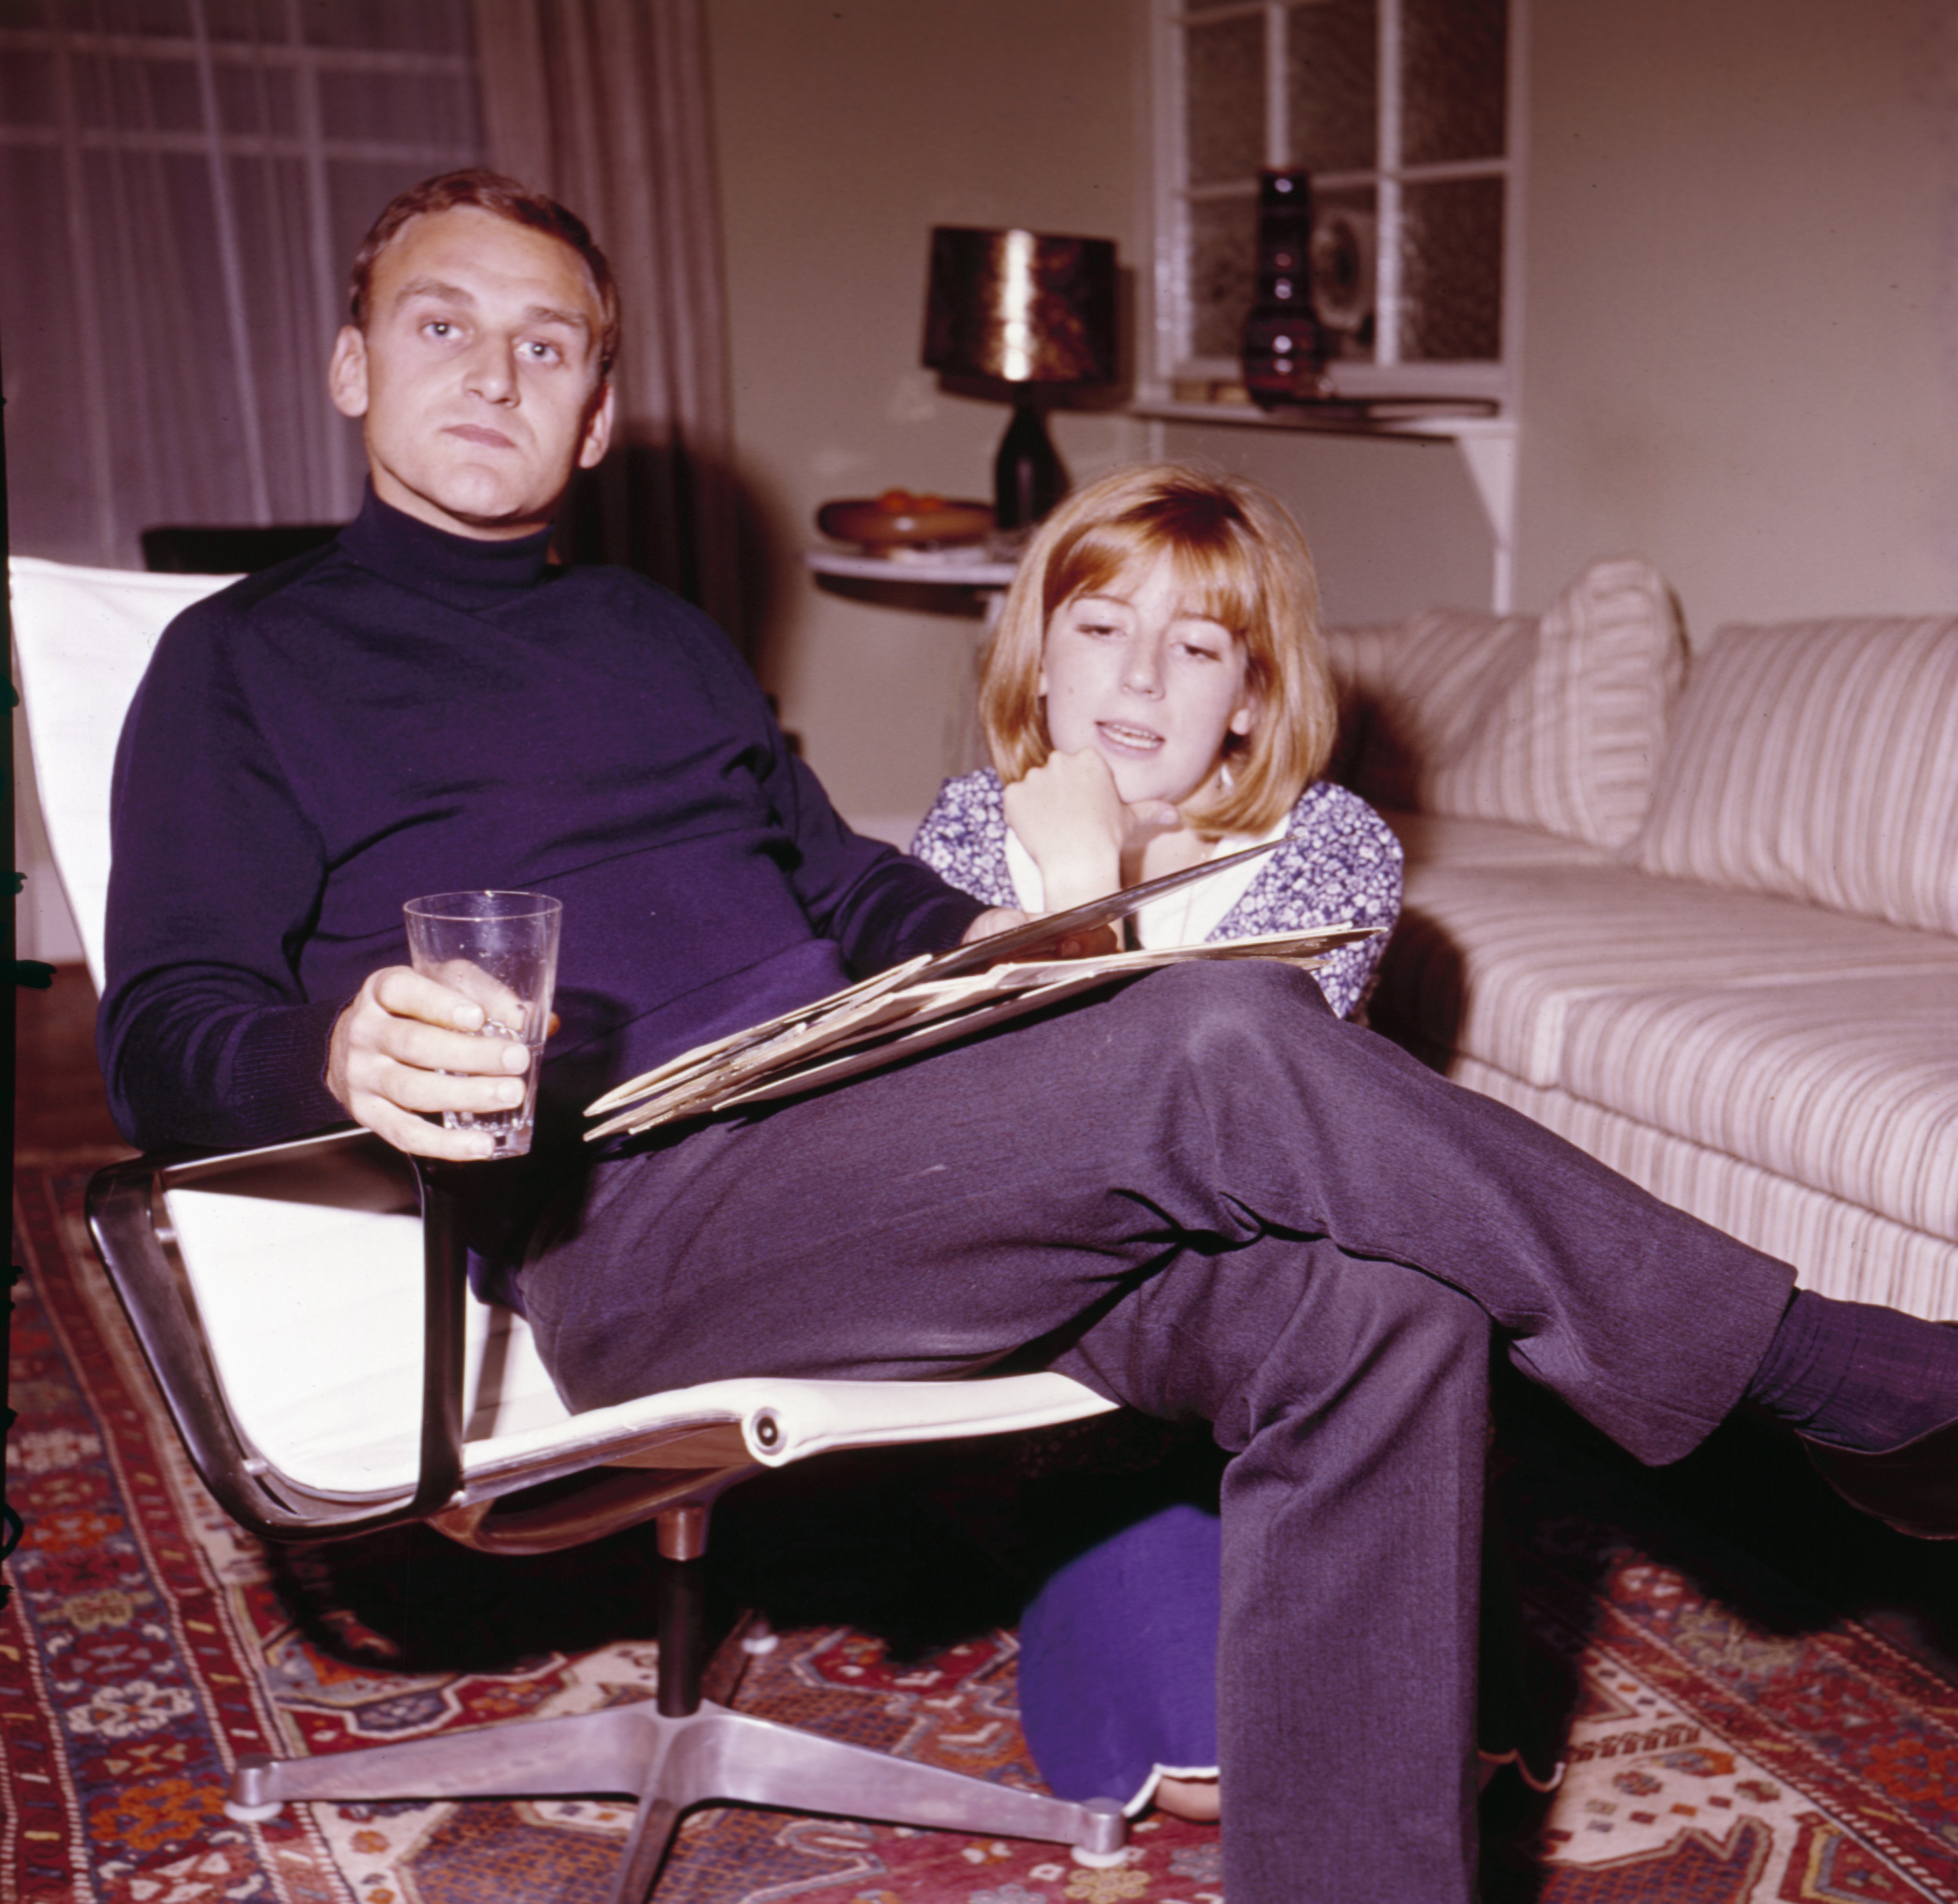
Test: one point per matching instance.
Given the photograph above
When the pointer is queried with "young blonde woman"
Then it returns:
(1157, 695)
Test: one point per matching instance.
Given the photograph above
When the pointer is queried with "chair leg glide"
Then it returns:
(246, 1802)
(1103, 1844)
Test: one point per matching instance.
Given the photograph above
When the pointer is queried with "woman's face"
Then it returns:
(1148, 683)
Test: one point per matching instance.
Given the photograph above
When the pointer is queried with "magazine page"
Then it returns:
(911, 1008)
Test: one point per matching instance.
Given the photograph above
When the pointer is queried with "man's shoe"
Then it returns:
(1913, 1488)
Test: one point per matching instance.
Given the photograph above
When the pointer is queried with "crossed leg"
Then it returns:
(1209, 1199)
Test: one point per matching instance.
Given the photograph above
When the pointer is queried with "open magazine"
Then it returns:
(931, 1000)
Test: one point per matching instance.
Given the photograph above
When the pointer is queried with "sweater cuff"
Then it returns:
(278, 1071)
(941, 925)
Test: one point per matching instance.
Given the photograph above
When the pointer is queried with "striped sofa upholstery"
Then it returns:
(1746, 1000)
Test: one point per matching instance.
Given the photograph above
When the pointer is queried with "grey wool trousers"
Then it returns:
(1206, 1197)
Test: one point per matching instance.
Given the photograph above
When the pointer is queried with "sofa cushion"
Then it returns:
(1838, 1248)
(1492, 962)
(1440, 839)
(1412, 695)
(1819, 760)
(1850, 1087)
(1363, 661)
(1556, 724)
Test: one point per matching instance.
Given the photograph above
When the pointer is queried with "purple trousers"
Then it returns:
(1208, 1198)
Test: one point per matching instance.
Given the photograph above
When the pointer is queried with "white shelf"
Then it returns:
(1470, 422)
(1488, 444)
(951, 568)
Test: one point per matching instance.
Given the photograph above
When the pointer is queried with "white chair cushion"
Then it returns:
(83, 638)
(314, 1317)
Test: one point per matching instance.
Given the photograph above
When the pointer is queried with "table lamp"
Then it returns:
(1030, 310)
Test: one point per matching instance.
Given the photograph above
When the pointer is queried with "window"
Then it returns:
(1403, 111)
(181, 184)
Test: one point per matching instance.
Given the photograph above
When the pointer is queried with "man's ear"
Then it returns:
(346, 374)
(598, 431)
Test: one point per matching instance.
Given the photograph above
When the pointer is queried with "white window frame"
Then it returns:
(1171, 363)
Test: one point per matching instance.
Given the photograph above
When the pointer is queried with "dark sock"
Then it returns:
(1857, 1375)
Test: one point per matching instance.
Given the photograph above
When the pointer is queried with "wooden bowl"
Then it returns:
(898, 520)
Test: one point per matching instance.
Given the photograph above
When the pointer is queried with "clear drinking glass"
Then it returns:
(499, 948)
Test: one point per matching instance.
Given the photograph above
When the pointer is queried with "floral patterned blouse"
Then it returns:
(1338, 862)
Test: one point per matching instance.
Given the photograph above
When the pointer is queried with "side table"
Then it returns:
(947, 582)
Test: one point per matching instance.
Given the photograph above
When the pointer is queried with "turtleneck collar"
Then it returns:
(459, 571)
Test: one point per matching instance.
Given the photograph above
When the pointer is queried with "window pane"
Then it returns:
(55, 513)
(1452, 271)
(1224, 99)
(106, 16)
(1454, 64)
(27, 89)
(246, 20)
(1223, 273)
(427, 26)
(138, 94)
(256, 99)
(170, 17)
(1332, 73)
(1343, 269)
(389, 106)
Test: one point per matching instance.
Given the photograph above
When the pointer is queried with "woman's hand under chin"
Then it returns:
(1071, 819)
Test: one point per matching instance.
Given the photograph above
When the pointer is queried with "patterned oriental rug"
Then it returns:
(1759, 1706)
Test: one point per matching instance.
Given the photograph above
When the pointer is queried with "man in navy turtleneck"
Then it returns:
(1202, 1194)
(428, 706)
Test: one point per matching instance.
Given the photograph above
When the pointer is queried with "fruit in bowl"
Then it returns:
(901, 519)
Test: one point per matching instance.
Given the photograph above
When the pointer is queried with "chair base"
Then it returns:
(670, 1764)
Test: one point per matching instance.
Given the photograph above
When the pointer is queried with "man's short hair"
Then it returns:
(504, 198)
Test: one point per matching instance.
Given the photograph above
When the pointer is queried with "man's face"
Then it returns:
(477, 375)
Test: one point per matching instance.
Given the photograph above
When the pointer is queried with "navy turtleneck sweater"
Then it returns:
(408, 711)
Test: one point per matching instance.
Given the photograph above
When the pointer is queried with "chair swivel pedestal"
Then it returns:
(682, 1750)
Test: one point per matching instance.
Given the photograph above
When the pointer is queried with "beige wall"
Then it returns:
(1738, 356)
(1393, 521)
(844, 133)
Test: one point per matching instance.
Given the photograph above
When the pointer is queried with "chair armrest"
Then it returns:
(777, 1419)
(127, 1218)
(766, 1420)
(800, 1418)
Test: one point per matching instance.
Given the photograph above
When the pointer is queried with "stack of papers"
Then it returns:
(930, 1001)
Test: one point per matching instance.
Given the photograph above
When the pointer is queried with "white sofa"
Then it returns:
(1704, 921)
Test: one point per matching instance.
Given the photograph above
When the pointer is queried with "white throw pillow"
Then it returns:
(1558, 724)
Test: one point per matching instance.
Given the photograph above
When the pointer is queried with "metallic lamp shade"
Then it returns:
(1020, 306)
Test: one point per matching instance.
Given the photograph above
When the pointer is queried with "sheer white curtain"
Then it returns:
(181, 184)
(603, 103)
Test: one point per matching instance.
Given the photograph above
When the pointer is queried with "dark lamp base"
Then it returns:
(1027, 477)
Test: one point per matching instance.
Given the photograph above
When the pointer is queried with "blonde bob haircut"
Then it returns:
(1242, 563)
